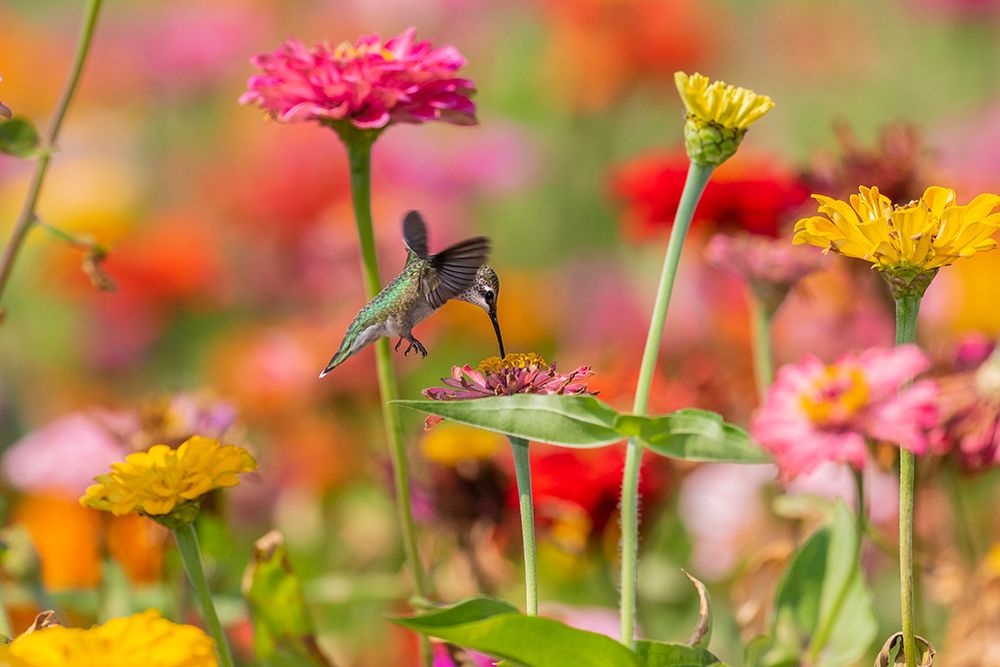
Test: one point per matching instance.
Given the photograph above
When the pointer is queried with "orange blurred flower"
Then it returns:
(67, 538)
(599, 48)
(137, 545)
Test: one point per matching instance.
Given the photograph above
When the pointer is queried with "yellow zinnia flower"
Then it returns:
(165, 481)
(718, 116)
(145, 639)
(908, 243)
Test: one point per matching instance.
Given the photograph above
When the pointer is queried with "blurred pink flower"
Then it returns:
(192, 44)
(369, 84)
(64, 455)
(816, 412)
(724, 510)
(969, 407)
(770, 267)
(831, 480)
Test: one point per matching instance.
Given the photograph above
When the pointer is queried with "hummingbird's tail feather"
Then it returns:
(455, 269)
(342, 355)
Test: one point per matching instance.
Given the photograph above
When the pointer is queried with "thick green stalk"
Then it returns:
(697, 179)
(359, 155)
(522, 472)
(187, 546)
(763, 351)
(907, 308)
(26, 218)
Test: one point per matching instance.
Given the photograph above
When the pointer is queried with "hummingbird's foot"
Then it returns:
(415, 344)
(398, 343)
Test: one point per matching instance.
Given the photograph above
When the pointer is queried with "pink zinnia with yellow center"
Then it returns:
(514, 374)
(369, 84)
(816, 412)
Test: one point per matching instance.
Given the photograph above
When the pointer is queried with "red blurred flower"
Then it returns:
(586, 479)
(752, 193)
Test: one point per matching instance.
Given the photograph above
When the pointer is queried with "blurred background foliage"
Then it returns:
(236, 264)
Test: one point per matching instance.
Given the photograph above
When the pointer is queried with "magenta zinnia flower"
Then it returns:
(369, 83)
(816, 412)
(514, 374)
(969, 415)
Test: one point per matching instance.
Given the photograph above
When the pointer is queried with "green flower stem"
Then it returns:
(187, 546)
(522, 471)
(359, 155)
(960, 515)
(907, 308)
(761, 317)
(697, 179)
(26, 218)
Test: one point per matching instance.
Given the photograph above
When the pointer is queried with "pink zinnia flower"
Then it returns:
(969, 407)
(770, 267)
(369, 83)
(514, 374)
(816, 412)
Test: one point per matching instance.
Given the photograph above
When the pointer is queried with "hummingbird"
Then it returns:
(424, 285)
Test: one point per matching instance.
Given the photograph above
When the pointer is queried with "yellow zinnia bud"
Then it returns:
(145, 639)
(908, 243)
(718, 116)
(166, 484)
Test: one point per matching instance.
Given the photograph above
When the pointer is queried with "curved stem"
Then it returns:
(359, 152)
(907, 308)
(697, 179)
(763, 350)
(522, 472)
(187, 545)
(27, 215)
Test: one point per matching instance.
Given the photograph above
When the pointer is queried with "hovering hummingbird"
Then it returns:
(424, 285)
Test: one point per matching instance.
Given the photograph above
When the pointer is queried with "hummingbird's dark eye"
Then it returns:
(489, 295)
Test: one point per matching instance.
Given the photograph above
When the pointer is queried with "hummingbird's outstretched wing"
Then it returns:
(453, 270)
(415, 234)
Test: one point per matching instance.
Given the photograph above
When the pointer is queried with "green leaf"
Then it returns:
(283, 628)
(693, 435)
(570, 421)
(660, 654)
(823, 607)
(532, 641)
(466, 611)
(18, 137)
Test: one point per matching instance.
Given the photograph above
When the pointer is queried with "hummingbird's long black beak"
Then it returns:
(496, 328)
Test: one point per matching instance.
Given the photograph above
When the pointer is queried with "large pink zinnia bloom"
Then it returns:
(816, 412)
(369, 83)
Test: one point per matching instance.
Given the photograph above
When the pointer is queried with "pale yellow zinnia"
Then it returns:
(718, 116)
(145, 639)
(160, 481)
(907, 243)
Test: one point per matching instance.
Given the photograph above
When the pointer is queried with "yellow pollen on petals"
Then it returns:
(512, 361)
(836, 396)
